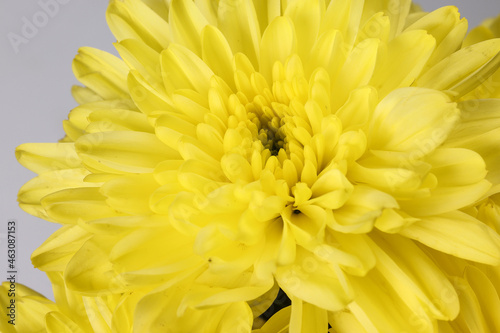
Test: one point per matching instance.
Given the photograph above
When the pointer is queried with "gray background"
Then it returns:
(35, 97)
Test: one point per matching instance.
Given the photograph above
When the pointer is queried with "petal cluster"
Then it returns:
(344, 152)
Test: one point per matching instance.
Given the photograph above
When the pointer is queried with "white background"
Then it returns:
(35, 97)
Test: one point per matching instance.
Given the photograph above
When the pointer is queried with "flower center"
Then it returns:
(271, 133)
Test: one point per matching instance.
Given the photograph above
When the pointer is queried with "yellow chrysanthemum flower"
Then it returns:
(329, 149)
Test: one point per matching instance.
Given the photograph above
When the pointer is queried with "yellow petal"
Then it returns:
(152, 313)
(238, 316)
(315, 282)
(238, 21)
(123, 316)
(78, 118)
(331, 190)
(327, 52)
(166, 171)
(150, 100)
(184, 70)
(420, 284)
(487, 295)
(235, 288)
(460, 182)
(194, 149)
(217, 54)
(139, 56)
(134, 19)
(456, 166)
(130, 194)
(159, 7)
(349, 251)
(287, 247)
(236, 168)
(343, 16)
(445, 25)
(487, 30)
(373, 313)
(118, 120)
(207, 133)
(457, 234)
(144, 243)
(277, 44)
(90, 270)
(57, 322)
(361, 210)
(478, 130)
(307, 15)
(263, 302)
(59, 248)
(187, 22)
(200, 177)
(68, 301)
(358, 108)
(377, 26)
(170, 127)
(397, 13)
(392, 221)
(84, 95)
(306, 317)
(71, 206)
(122, 224)
(356, 72)
(123, 151)
(28, 304)
(41, 157)
(102, 72)
(345, 322)
(395, 181)
(398, 123)
(406, 56)
(100, 314)
(278, 323)
(208, 9)
(463, 70)
(307, 224)
(470, 318)
(225, 255)
(33, 191)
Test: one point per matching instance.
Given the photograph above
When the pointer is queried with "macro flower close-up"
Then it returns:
(274, 166)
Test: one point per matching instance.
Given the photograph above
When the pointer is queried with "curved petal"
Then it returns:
(123, 151)
(306, 317)
(463, 70)
(134, 19)
(41, 157)
(184, 70)
(130, 194)
(457, 234)
(238, 21)
(55, 253)
(102, 72)
(315, 282)
(187, 22)
(277, 44)
(412, 119)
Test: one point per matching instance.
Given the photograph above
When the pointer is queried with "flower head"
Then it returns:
(324, 148)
